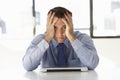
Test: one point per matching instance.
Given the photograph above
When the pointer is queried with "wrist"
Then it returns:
(47, 39)
(72, 38)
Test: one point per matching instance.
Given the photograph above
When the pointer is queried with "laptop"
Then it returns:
(64, 69)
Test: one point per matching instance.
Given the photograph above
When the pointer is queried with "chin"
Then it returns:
(60, 41)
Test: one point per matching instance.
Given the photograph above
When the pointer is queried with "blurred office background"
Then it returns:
(19, 24)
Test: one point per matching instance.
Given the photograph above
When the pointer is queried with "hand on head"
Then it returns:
(69, 25)
(50, 26)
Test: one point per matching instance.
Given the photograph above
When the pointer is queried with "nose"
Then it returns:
(59, 32)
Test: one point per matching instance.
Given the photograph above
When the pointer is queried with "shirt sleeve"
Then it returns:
(34, 53)
(86, 52)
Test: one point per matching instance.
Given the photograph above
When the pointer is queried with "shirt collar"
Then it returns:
(55, 43)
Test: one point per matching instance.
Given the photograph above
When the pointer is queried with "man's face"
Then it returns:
(59, 28)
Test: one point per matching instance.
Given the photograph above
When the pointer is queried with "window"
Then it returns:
(16, 24)
(105, 20)
(79, 8)
(16, 19)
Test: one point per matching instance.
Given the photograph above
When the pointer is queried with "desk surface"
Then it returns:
(11, 69)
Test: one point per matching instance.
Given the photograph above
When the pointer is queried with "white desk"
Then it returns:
(11, 69)
(90, 75)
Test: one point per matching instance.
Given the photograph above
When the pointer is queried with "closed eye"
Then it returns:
(64, 27)
(55, 27)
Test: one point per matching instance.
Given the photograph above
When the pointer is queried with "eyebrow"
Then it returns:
(62, 25)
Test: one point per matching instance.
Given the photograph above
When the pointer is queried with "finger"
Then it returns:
(48, 19)
(49, 15)
(52, 17)
(67, 22)
(69, 15)
(68, 18)
(64, 20)
(55, 20)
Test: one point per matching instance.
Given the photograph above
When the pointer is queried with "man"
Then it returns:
(60, 46)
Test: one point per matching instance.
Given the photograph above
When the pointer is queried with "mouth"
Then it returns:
(61, 38)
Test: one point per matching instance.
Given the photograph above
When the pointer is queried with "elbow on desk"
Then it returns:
(93, 64)
(27, 68)
(27, 65)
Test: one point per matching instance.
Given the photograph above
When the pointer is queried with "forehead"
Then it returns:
(59, 22)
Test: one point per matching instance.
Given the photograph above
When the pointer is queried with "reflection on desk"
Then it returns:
(89, 75)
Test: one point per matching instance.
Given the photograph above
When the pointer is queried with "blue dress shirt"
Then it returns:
(80, 53)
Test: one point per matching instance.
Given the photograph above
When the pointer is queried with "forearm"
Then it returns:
(87, 54)
(33, 55)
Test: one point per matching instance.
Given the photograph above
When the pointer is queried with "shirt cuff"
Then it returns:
(43, 44)
(76, 43)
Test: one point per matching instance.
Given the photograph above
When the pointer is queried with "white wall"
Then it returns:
(109, 49)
